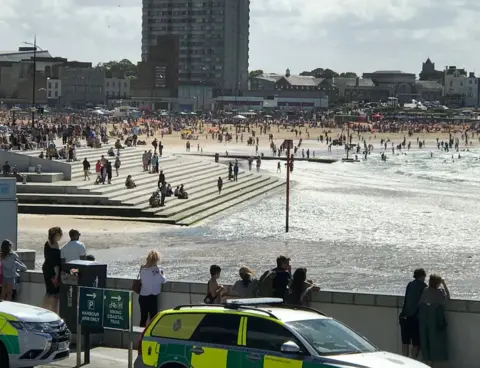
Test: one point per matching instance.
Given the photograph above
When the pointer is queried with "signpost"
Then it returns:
(288, 145)
(111, 309)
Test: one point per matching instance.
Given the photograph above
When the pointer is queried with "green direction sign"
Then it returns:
(116, 309)
(90, 312)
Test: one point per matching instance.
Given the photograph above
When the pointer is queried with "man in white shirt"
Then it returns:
(74, 250)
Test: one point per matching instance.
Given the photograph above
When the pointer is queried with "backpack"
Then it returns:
(265, 284)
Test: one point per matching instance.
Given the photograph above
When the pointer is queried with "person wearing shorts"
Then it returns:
(409, 316)
(10, 263)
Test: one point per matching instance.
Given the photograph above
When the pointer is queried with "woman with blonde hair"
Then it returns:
(247, 286)
(51, 269)
(151, 278)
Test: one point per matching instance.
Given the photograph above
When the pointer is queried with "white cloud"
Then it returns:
(345, 35)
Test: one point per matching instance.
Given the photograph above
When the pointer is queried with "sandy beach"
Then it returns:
(173, 143)
(96, 231)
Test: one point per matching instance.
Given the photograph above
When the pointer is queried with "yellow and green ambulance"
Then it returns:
(257, 333)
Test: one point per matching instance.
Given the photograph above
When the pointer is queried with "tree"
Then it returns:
(327, 73)
(123, 67)
(348, 75)
(255, 73)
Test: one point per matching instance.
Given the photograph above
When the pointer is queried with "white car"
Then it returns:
(31, 336)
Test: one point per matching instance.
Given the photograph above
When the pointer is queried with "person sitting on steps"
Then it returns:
(155, 199)
(129, 183)
(169, 191)
(182, 194)
(118, 144)
(111, 152)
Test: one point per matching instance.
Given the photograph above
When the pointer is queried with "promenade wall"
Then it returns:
(23, 162)
(375, 316)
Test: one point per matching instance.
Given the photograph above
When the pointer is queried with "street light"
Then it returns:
(35, 46)
(288, 145)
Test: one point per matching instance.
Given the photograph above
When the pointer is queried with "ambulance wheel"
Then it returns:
(4, 361)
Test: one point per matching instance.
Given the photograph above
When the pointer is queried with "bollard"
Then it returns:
(39, 169)
(24, 179)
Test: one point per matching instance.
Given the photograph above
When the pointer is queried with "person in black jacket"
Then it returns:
(161, 179)
(408, 318)
(86, 169)
(109, 172)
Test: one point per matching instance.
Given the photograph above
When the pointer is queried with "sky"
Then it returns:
(343, 35)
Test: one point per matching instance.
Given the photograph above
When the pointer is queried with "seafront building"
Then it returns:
(213, 39)
(461, 88)
(169, 76)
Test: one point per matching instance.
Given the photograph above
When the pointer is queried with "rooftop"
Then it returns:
(351, 82)
(271, 77)
(388, 72)
(16, 56)
(429, 85)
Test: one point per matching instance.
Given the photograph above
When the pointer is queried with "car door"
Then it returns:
(212, 341)
(264, 339)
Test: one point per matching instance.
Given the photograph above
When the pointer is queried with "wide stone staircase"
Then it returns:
(199, 177)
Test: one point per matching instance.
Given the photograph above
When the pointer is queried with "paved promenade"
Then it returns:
(99, 358)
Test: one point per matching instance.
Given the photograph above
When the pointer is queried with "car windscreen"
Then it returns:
(329, 337)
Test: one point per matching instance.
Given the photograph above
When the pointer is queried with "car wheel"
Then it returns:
(173, 365)
(4, 361)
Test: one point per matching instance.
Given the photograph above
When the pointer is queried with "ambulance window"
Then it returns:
(221, 329)
(263, 334)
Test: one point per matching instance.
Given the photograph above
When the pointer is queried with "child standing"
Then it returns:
(10, 264)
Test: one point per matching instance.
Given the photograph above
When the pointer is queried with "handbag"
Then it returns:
(137, 284)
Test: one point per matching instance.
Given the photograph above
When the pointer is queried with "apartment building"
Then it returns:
(82, 85)
(213, 39)
(461, 88)
(117, 88)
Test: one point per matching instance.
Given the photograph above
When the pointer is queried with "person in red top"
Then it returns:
(98, 170)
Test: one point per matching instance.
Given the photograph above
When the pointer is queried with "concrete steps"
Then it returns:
(76, 199)
(57, 188)
(205, 213)
(207, 177)
(79, 197)
(196, 188)
(144, 177)
(197, 206)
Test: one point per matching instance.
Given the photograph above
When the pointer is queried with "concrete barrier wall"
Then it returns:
(23, 162)
(374, 316)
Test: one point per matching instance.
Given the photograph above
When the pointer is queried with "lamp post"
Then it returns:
(288, 145)
(35, 46)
